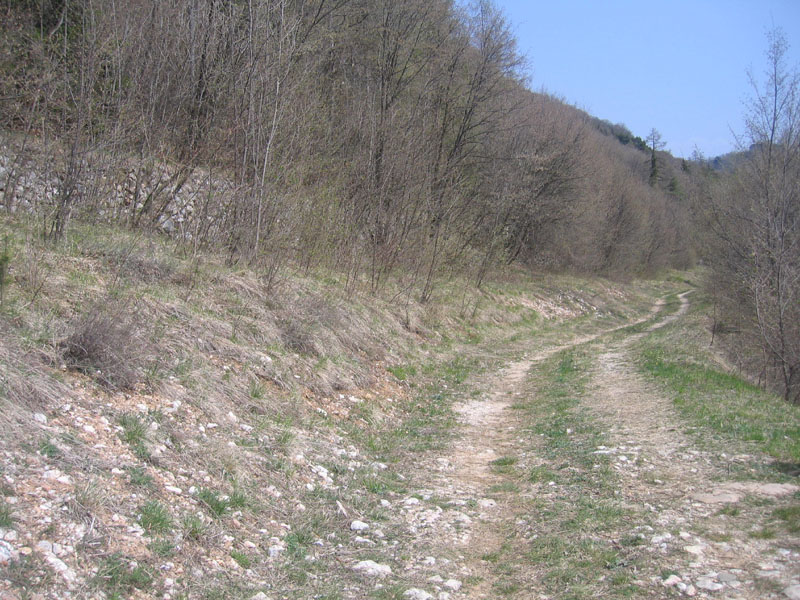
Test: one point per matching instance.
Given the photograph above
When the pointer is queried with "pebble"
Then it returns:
(705, 583)
(358, 526)
(726, 577)
(372, 569)
(417, 594)
(453, 584)
(7, 553)
(40, 418)
(260, 596)
(792, 592)
(363, 541)
(671, 580)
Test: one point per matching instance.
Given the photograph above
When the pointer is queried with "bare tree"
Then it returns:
(756, 216)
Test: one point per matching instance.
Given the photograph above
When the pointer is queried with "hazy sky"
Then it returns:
(677, 65)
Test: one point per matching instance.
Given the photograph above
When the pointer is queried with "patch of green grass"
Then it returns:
(193, 527)
(163, 548)
(504, 464)
(214, 502)
(725, 404)
(48, 449)
(238, 499)
(134, 429)
(257, 390)
(765, 533)
(506, 487)
(298, 541)
(729, 510)
(403, 372)
(542, 473)
(138, 476)
(6, 520)
(242, 559)
(154, 517)
(573, 555)
(118, 577)
(790, 515)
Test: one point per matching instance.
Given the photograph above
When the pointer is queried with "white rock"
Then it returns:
(444, 596)
(792, 592)
(705, 583)
(671, 580)
(363, 541)
(417, 594)
(40, 418)
(372, 569)
(453, 584)
(7, 553)
(260, 596)
(435, 579)
(358, 526)
(385, 503)
(173, 489)
(690, 591)
(696, 550)
(429, 560)
(411, 501)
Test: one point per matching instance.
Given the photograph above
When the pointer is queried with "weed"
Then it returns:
(118, 577)
(154, 517)
(238, 499)
(729, 510)
(403, 372)
(504, 464)
(6, 520)
(138, 476)
(49, 449)
(193, 527)
(257, 390)
(542, 473)
(215, 503)
(297, 542)
(790, 515)
(241, 558)
(162, 548)
(765, 533)
(134, 430)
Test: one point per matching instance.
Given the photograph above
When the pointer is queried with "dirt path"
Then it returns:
(686, 489)
(692, 544)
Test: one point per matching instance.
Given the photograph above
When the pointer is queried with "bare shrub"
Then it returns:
(107, 343)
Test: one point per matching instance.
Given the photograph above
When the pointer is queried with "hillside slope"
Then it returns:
(173, 426)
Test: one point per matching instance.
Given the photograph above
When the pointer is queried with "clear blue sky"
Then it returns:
(677, 65)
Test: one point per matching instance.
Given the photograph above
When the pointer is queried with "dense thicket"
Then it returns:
(383, 138)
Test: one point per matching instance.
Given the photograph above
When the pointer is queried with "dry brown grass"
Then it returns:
(108, 343)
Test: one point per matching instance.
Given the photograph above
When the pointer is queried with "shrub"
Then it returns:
(107, 344)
